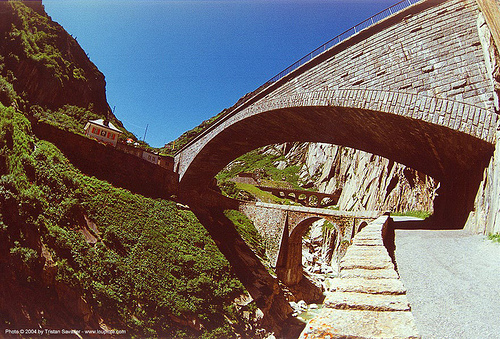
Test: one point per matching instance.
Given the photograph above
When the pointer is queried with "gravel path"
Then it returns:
(453, 282)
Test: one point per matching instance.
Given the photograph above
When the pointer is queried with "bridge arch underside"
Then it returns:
(454, 158)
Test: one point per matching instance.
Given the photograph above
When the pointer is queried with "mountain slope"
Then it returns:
(45, 65)
(76, 252)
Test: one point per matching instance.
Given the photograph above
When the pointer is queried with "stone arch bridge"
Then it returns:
(283, 226)
(303, 197)
(417, 87)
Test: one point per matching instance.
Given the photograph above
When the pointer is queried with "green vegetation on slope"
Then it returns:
(68, 240)
(69, 117)
(48, 68)
(7, 93)
(150, 264)
(38, 39)
(248, 232)
(494, 237)
(264, 164)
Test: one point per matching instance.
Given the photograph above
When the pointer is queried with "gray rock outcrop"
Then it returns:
(368, 182)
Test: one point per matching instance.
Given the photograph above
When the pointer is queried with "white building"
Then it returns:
(102, 130)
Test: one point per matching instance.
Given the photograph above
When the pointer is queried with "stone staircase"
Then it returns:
(367, 300)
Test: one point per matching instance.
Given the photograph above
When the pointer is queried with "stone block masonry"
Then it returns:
(367, 300)
(435, 52)
(417, 78)
(269, 220)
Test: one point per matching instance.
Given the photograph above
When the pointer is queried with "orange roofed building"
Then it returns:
(102, 130)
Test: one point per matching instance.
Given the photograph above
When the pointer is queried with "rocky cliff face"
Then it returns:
(45, 65)
(368, 182)
(485, 218)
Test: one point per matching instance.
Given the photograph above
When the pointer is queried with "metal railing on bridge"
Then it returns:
(321, 49)
(343, 36)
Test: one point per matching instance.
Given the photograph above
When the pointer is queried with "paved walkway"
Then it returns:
(453, 282)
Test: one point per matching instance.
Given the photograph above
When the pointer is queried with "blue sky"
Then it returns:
(169, 65)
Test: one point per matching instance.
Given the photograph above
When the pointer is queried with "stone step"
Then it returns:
(367, 241)
(333, 323)
(369, 235)
(379, 249)
(367, 302)
(363, 285)
(357, 251)
(373, 263)
(371, 228)
(355, 272)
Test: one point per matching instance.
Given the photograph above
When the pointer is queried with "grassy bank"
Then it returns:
(140, 263)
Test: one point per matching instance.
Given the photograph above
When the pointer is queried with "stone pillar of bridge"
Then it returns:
(262, 286)
(289, 263)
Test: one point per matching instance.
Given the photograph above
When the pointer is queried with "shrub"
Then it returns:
(494, 237)
(39, 40)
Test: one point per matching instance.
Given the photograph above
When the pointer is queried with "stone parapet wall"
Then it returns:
(321, 211)
(431, 48)
(367, 300)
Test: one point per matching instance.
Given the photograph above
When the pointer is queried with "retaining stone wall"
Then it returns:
(107, 163)
(367, 300)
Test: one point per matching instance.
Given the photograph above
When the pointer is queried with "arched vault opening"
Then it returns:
(289, 266)
(454, 158)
